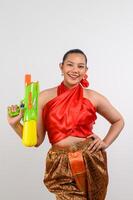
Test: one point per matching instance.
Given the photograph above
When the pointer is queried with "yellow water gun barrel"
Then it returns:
(29, 138)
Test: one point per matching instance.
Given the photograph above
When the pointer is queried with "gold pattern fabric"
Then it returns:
(89, 184)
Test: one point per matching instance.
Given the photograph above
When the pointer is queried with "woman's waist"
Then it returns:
(69, 140)
(71, 144)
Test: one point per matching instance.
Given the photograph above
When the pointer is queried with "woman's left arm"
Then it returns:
(105, 109)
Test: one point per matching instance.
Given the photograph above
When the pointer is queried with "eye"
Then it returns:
(81, 66)
(69, 64)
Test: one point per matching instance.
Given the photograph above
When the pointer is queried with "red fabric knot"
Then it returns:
(84, 82)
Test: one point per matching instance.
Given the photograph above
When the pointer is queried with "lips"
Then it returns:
(73, 76)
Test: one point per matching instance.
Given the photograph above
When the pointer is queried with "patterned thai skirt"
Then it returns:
(73, 173)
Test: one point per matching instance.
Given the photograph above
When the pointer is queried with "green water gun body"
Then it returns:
(30, 106)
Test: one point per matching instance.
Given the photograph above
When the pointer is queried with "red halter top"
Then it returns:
(68, 114)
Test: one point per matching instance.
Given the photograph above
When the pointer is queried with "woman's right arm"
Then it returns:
(14, 122)
(16, 125)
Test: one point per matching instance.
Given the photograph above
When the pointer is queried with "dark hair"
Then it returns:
(78, 51)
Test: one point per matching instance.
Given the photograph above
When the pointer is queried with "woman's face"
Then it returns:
(73, 69)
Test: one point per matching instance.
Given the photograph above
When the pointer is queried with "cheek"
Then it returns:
(83, 72)
(67, 69)
(64, 68)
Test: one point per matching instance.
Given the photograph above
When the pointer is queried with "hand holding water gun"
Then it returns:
(29, 105)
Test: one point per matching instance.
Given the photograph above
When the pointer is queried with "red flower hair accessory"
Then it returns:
(84, 82)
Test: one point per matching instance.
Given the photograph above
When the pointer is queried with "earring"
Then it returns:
(85, 76)
(84, 82)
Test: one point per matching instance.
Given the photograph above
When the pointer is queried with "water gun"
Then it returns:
(30, 106)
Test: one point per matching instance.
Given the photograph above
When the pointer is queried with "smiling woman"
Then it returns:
(74, 67)
(76, 164)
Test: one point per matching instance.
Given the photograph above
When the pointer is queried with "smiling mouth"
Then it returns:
(73, 76)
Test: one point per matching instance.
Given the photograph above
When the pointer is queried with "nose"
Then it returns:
(75, 69)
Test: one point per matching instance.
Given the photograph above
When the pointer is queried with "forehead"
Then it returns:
(75, 57)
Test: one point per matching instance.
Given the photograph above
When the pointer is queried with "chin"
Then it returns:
(71, 83)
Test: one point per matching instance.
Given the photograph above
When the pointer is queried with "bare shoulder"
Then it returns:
(94, 96)
(47, 95)
(103, 105)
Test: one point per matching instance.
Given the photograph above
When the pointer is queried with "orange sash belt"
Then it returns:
(78, 169)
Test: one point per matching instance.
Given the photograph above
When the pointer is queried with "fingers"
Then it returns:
(96, 144)
(12, 108)
(15, 110)
(15, 114)
(21, 113)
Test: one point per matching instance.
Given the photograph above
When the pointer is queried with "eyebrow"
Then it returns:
(78, 63)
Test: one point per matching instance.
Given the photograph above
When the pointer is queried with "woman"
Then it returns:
(76, 164)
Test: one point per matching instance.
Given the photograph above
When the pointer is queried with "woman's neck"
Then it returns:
(69, 86)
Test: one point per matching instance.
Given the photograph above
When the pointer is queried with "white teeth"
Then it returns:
(73, 76)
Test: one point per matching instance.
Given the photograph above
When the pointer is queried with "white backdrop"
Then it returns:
(34, 35)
